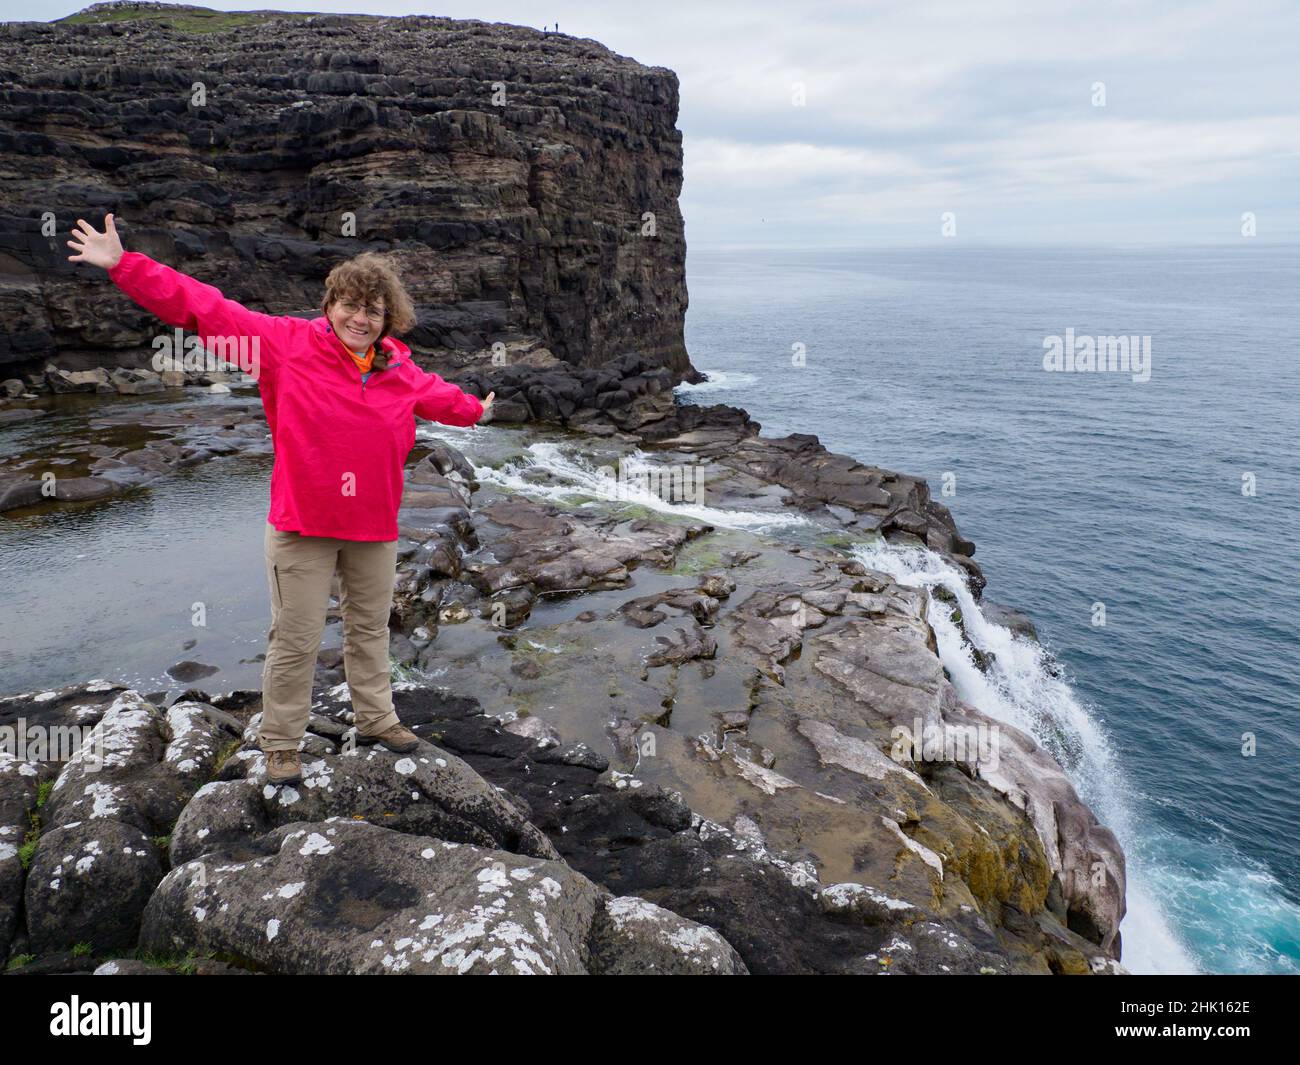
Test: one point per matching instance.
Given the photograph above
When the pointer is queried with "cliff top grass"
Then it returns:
(182, 17)
(165, 18)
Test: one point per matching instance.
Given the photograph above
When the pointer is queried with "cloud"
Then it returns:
(918, 106)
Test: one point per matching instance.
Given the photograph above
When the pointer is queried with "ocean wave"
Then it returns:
(718, 381)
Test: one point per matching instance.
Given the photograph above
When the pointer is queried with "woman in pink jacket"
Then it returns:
(341, 395)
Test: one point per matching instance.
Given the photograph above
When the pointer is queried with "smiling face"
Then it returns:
(357, 323)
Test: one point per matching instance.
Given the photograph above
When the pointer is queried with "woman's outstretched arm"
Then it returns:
(441, 401)
(250, 340)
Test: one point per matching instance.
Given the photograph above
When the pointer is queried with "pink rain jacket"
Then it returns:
(341, 438)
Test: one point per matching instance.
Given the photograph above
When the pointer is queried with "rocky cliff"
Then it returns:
(527, 182)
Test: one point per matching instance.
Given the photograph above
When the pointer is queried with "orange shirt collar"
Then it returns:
(363, 361)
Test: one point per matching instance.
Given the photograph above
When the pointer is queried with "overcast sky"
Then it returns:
(984, 109)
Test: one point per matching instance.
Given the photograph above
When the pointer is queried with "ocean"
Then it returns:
(1144, 518)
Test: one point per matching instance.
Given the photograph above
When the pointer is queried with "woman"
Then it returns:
(341, 395)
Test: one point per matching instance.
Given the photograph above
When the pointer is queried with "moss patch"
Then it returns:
(225, 752)
(698, 556)
(181, 963)
(33, 834)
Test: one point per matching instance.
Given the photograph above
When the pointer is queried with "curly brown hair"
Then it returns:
(363, 279)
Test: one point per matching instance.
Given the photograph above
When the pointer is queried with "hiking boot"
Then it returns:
(398, 739)
(283, 767)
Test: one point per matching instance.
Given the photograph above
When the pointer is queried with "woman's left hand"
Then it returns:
(487, 405)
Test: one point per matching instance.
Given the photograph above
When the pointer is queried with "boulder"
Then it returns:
(63, 381)
(429, 792)
(348, 897)
(95, 863)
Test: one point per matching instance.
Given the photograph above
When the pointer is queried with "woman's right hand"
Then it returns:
(99, 249)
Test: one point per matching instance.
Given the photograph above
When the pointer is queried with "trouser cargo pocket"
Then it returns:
(301, 571)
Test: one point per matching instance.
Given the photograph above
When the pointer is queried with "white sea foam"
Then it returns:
(1021, 690)
(573, 477)
(718, 381)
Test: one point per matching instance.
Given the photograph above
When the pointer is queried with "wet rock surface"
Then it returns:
(696, 716)
(691, 774)
(694, 725)
(117, 451)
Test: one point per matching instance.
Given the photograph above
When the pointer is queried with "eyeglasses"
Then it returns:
(348, 307)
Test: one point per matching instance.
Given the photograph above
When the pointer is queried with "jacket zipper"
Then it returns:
(391, 365)
(363, 376)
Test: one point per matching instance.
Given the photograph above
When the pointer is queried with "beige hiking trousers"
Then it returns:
(301, 572)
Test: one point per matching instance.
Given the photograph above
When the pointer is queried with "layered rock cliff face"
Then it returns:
(527, 182)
